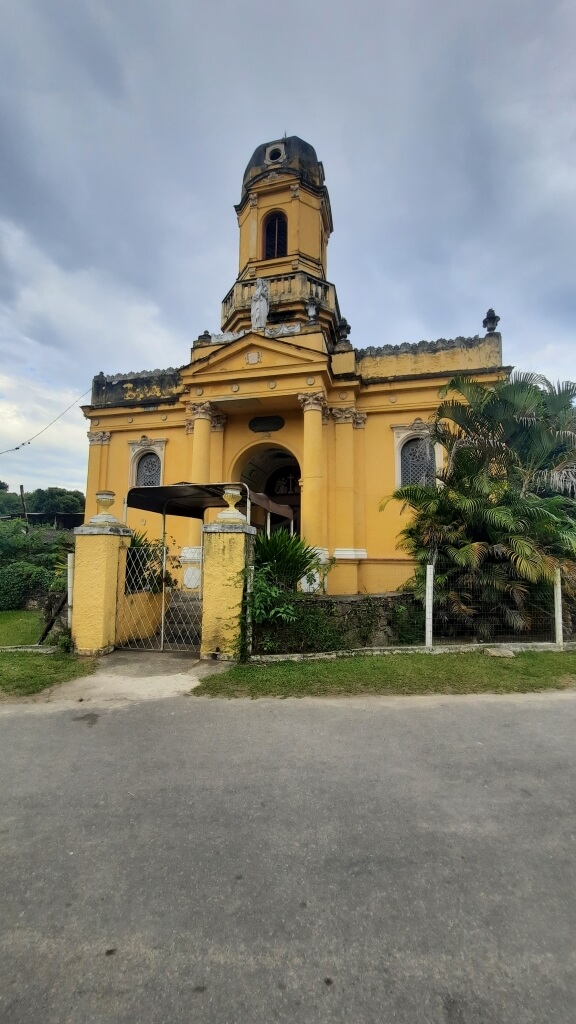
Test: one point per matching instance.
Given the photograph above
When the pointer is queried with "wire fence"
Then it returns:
(431, 612)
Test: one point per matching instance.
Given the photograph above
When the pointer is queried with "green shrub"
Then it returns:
(312, 626)
(287, 557)
(407, 621)
(21, 581)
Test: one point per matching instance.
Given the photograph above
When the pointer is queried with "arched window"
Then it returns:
(275, 236)
(148, 470)
(417, 464)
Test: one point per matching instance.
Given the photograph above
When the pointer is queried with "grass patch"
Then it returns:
(20, 628)
(22, 674)
(396, 674)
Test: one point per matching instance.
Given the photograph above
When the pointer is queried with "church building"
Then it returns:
(280, 399)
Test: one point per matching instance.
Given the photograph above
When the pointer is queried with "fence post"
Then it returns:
(429, 637)
(558, 609)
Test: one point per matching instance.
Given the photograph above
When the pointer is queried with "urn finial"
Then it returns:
(490, 322)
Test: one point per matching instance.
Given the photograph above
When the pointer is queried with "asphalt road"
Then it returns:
(378, 860)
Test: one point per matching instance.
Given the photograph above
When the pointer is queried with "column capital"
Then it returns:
(200, 410)
(219, 420)
(359, 420)
(315, 400)
(343, 414)
(98, 437)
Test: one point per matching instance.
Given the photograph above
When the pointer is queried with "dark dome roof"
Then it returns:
(292, 156)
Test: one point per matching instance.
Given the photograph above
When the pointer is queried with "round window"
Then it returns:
(275, 154)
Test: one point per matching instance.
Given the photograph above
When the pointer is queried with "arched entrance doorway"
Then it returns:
(276, 473)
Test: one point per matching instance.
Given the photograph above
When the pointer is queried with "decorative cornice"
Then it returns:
(343, 414)
(150, 444)
(416, 428)
(315, 400)
(98, 437)
(109, 377)
(359, 420)
(282, 330)
(441, 344)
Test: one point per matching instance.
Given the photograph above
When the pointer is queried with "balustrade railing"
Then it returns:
(283, 287)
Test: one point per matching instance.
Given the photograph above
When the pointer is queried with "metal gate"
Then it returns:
(154, 612)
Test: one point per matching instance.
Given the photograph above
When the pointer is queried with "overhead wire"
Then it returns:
(23, 444)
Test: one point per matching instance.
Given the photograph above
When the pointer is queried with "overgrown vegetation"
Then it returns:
(320, 623)
(32, 561)
(291, 613)
(396, 674)
(503, 519)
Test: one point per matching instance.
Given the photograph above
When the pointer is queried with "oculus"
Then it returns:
(264, 424)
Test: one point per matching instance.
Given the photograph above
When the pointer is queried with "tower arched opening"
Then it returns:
(275, 236)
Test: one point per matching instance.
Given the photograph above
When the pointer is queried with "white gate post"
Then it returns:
(429, 637)
(558, 609)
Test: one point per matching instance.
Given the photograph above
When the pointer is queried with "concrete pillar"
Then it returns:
(217, 447)
(201, 413)
(98, 547)
(313, 495)
(99, 441)
(200, 426)
(359, 424)
(344, 577)
(228, 547)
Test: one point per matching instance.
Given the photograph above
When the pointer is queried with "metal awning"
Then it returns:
(192, 500)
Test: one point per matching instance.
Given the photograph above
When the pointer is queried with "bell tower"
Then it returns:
(285, 222)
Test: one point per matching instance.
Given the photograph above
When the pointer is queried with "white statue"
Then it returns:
(260, 304)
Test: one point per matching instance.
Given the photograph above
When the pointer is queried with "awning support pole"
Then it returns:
(163, 580)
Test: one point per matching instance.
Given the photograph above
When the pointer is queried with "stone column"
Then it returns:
(358, 423)
(217, 447)
(228, 547)
(99, 441)
(313, 496)
(344, 577)
(200, 425)
(99, 545)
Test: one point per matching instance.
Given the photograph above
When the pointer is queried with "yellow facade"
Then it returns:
(226, 554)
(98, 555)
(288, 406)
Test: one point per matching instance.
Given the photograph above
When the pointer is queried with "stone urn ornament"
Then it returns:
(231, 514)
(104, 501)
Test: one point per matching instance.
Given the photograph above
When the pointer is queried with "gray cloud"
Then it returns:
(445, 131)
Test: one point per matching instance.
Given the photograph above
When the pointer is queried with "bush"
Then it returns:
(287, 558)
(21, 581)
(313, 626)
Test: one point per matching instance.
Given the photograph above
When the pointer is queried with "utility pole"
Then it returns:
(23, 500)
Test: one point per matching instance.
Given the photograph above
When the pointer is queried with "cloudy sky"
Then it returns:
(448, 138)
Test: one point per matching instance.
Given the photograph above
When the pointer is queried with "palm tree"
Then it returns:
(502, 518)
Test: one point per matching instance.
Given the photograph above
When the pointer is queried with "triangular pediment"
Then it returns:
(254, 352)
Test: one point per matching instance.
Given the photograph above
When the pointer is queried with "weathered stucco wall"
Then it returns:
(95, 590)
(458, 355)
(226, 551)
